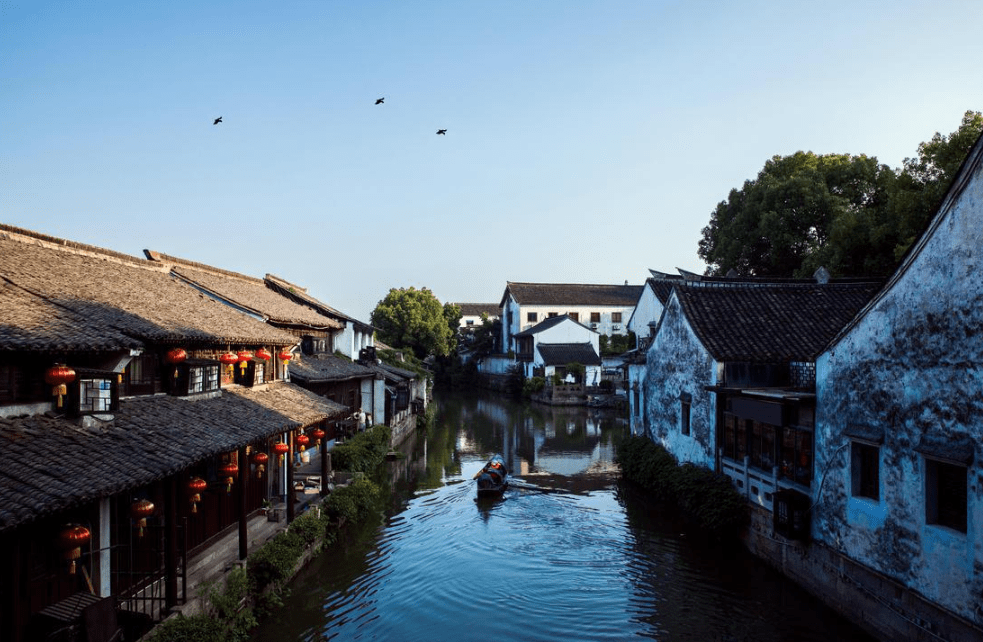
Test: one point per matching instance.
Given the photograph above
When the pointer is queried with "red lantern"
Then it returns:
(285, 356)
(263, 354)
(71, 539)
(260, 458)
(302, 440)
(229, 469)
(174, 357)
(243, 356)
(196, 485)
(57, 376)
(140, 510)
(318, 435)
(228, 358)
(281, 448)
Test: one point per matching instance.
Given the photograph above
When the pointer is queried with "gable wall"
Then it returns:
(678, 363)
(647, 310)
(912, 366)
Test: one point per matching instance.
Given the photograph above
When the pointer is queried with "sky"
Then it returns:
(587, 141)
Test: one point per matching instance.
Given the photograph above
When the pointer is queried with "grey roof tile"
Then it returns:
(52, 464)
(573, 294)
(771, 322)
(134, 296)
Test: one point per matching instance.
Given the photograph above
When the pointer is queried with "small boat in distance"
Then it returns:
(493, 478)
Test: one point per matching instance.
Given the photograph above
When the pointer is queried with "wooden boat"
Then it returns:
(493, 479)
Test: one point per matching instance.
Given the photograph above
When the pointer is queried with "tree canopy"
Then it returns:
(849, 214)
(414, 319)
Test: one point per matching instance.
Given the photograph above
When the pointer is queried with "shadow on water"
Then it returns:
(565, 553)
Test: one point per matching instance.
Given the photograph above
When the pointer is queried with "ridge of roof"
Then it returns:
(287, 288)
(163, 258)
(21, 235)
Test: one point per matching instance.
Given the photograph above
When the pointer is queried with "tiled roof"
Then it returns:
(392, 373)
(300, 294)
(662, 288)
(51, 464)
(249, 293)
(546, 324)
(560, 354)
(327, 368)
(572, 294)
(477, 309)
(134, 296)
(29, 322)
(771, 323)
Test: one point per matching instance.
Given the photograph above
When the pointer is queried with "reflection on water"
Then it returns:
(565, 554)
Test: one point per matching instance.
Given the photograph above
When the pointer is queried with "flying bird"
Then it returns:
(217, 120)
(379, 101)
(441, 131)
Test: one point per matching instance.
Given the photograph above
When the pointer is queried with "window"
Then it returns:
(95, 395)
(574, 315)
(532, 317)
(684, 407)
(945, 494)
(762, 446)
(796, 455)
(552, 314)
(615, 317)
(865, 470)
(202, 379)
(595, 317)
(141, 375)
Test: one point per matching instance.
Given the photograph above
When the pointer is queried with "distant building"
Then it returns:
(605, 309)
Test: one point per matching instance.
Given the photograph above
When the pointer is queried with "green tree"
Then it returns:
(924, 180)
(414, 319)
(850, 214)
(788, 220)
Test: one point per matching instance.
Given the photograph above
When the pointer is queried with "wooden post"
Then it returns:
(170, 543)
(325, 466)
(243, 479)
(290, 499)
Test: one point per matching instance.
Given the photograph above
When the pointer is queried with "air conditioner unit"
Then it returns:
(593, 326)
(615, 327)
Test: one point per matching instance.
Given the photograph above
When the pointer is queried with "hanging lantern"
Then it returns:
(71, 539)
(318, 435)
(243, 356)
(285, 356)
(228, 358)
(229, 469)
(281, 448)
(57, 376)
(195, 486)
(263, 354)
(302, 441)
(260, 458)
(140, 510)
(174, 357)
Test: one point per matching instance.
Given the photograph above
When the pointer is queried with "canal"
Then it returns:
(566, 554)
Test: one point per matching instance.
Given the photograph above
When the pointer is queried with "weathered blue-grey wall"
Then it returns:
(678, 363)
(913, 367)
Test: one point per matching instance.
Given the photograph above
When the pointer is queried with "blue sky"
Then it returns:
(586, 141)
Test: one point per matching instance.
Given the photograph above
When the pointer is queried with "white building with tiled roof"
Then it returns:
(604, 309)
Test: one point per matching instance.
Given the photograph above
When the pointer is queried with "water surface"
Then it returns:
(565, 554)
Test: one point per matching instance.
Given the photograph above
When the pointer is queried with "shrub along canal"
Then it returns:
(565, 554)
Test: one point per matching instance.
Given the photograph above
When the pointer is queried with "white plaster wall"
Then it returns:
(678, 363)
(912, 365)
(605, 326)
(569, 332)
(647, 311)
